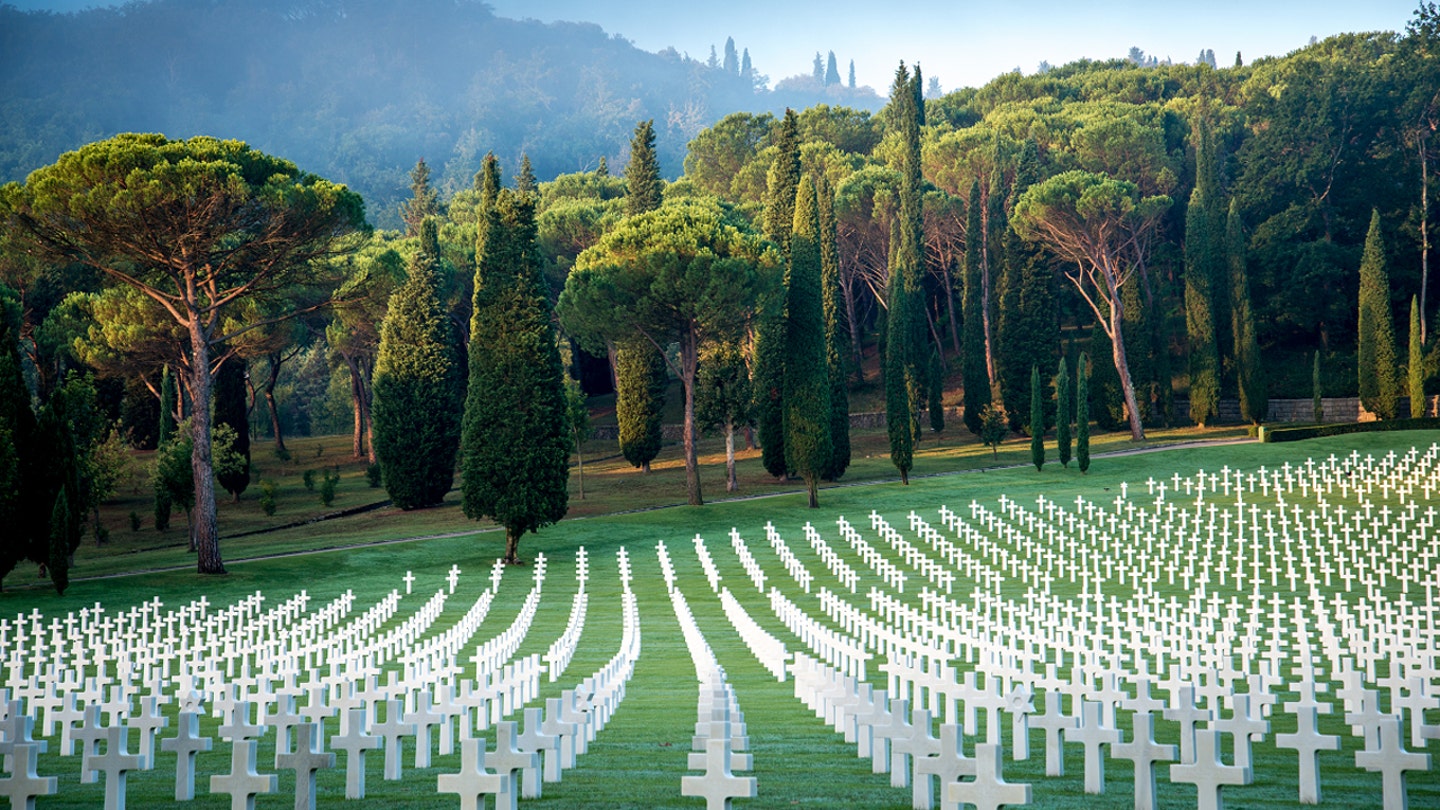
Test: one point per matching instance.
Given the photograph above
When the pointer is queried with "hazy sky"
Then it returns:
(962, 42)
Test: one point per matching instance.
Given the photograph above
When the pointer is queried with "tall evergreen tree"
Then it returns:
(1199, 319)
(1037, 420)
(231, 409)
(832, 72)
(972, 358)
(17, 451)
(419, 385)
(731, 65)
(768, 375)
(818, 71)
(1064, 411)
(1250, 364)
(906, 345)
(525, 182)
(851, 83)
(1376, 354)
(1028, 323)
(515, 446)
(747, 70)
(424, 201)
(1416, 364)
(1082, 413)
(838, 349)
(644, 190)
(640, 382)
(487, 180)
(807, 375)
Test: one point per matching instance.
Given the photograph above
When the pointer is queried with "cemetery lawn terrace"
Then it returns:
(639, 758)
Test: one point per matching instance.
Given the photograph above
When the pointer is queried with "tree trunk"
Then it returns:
(950, 310)
(357, 402)
(270, 383)
(367, 394)
(1424, 235)
(205, 533)
(985, 309)
(731, 483)
(512, 547)
(749, 437)
(1122, 366)
(689, 357)
(849, 292)
(812, 486)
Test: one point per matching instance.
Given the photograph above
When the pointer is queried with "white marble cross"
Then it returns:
(989, 791)
(243, 783)
(23, 784)
(718, 786)
(355, 742)
(393, 731)
(308, 758)
(453, 577)
(1309, 742)
(149, 722)
(511, 762)
(1144, 752)
(116, 762)
(185, 744)
(946, 767)
(1389, 757)
(473, 783)
(1094, 734)
(1207, 773)
(535, 740)
(1057, 726)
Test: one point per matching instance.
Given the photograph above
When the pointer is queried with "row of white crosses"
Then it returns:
(719, 740)
(252, 705)
(1124, 632)
(793, 566)
(557, 658)
(767, 649)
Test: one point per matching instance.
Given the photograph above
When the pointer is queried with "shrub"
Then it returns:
(135, 521)
(267, 497)
(309, 479)
(327, 486)
(372, 475)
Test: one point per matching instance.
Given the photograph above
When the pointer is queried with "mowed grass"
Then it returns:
(638, 760)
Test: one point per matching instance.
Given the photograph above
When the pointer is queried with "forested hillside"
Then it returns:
(357, 91)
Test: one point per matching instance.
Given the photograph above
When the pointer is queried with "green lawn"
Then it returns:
(639, 758)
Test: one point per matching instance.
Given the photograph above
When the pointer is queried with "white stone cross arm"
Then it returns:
(473, 783)
(307, 759)
(23, 784)
(116, 762)
(718, 785)
(1207, 773)
(187, 742)
(243, 783)
(989, 791)
(1391, 760)
(355, 742)
(1144, 752)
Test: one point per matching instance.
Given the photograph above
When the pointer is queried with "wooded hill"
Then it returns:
(357, 91)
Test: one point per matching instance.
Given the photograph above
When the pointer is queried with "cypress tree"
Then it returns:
(972, 361)
(1199, 320)
(906, 349)
(1416, 366)
(487, 180)
(164, 503)
(230, 409)
(17, 452)
(424, 201)
(768, 376)
(1082, 413)
(1037, 421)
(832, 71)
(419, 385)
(62, 530)
(838, 350)
(603, 169)
(851, 83)
(515, 437)
(1377, 357)
(1064, 411)
(1317, 403)
(1250, 365)
(644, 190)
(640, 381)
(731, 64)
(1028, 321)
(525, 179)
(781, 182)
(807, 374)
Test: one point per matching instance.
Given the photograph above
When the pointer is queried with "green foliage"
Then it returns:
(168, 403)
(1376, 354)
(838, 348)
(906, 343)
(173, 476)
(136, 522)
(1037, 420)
(419, 386)
(782, 181)
(641, 378)
(424, 201)
(1064, 411)
(1250, 363)
(1415, 367)
(328, 484)
(722, 398)
(994, 426)
(64, 537)
(1297, 434)
(525, 182)
(515, 458)
(806, 390)
(268, 491)
(232, 412)
(374, 475)
(1082, 413)
(1199, 313)
(768, 382)
(643, 187)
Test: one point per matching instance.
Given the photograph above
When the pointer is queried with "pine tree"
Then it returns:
(838, 350)
(163, 502)
(1199, 320)
(424, 201)
(231, 409)
(807, 376)
(832, 72)
(1250, 364)
(515, 444)
(972, 359)
(1037, 421)
(1082, 413)
(640, 381)
(1064, 411)
(1376, 355)
(525, 179)
(1416, 366)
(419, 385)
(644, 190)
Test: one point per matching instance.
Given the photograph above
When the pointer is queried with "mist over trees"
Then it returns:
(357, 92)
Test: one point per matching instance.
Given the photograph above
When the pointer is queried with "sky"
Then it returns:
(963, 43)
